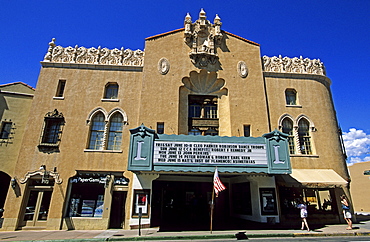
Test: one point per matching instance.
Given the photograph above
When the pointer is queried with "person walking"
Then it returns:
(303, 212)
(346, 211)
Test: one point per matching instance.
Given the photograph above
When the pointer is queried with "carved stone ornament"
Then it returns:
(242, 69)
(163, 66)
(203, 38)
(293, 65)
(54, 114)
(45, 175)
(203, 82)
(95, 56)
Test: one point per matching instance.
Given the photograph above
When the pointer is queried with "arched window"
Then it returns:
(97, 132)
(288, 129)
(291, 97)
(304, 137)
(115, 132)
(111, 91)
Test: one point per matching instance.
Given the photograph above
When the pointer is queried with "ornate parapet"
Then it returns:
(293, 65)
(95, 56)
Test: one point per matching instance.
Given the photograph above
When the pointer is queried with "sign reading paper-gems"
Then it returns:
(211, 153)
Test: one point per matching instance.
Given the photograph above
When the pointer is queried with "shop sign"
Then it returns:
(211, 153)
(101, 180)
(88, 180)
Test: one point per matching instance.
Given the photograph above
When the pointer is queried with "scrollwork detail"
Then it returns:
(96, 56)
(298, 65)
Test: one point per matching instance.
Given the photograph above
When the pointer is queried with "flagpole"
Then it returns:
(212, 206)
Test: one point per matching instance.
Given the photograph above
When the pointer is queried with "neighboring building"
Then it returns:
(112, 136)
(15, 104)
(360, 181)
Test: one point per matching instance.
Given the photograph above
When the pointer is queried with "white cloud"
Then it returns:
(357, 144)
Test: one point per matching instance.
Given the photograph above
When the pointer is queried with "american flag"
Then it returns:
(219, 187)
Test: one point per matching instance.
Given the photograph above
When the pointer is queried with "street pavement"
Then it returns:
(150, 234)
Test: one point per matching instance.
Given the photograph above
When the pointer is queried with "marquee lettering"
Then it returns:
(138, 151)
(276, 151)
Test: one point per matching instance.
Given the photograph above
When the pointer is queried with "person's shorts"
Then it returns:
(347, 214)
(303, 214)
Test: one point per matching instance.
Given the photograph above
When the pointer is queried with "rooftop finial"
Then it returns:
(188, 17)
(202, 14)
(217, 18)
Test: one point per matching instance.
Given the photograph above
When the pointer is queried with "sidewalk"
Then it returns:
(362, 229)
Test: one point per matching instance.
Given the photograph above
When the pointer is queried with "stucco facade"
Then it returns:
(15, 103)
(95, 110)
(359, 184)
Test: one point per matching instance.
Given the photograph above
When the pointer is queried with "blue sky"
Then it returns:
(336, 32)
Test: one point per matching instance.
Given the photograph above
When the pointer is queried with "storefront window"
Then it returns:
(87, 197)
(318, 200)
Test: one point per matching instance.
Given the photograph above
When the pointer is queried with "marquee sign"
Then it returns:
(209, 153)
(189, 153)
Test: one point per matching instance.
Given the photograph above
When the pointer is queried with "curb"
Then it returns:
(206, 237)
(233, 236)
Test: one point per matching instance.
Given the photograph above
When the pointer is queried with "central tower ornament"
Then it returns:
(203, 38)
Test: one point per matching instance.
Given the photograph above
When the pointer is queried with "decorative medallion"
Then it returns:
(242, 69)
(163, 66)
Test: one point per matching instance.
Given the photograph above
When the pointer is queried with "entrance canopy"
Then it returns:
(314, 178)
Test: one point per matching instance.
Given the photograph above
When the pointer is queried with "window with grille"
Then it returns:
(115, 132)
(106, 134)
(288, 129)
(304, 137)
(6, 128)
(97, 132)
(52, 130)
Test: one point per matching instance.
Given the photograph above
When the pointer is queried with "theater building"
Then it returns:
(118, 136)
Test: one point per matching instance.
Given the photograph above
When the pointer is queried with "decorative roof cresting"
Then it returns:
(293, 65)
(95, 56)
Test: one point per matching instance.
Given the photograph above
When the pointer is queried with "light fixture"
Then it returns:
(107, 180)
(13, 182)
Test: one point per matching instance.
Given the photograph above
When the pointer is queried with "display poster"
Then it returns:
(210, 153)
(141, 200)
(87, 208)
(268, 201)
